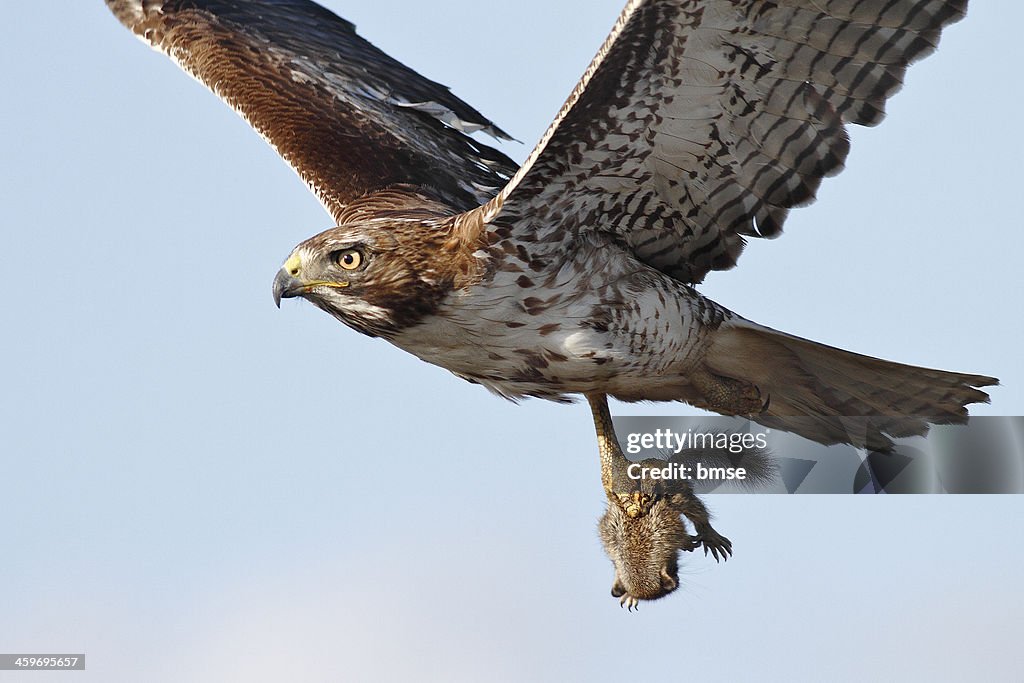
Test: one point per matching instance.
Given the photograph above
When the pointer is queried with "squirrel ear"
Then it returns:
(618, 590)
(668, 582)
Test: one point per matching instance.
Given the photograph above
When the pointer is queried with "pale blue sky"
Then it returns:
(199, 487)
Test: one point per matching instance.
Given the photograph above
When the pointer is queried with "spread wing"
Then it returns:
(348, 118)
(702, 122)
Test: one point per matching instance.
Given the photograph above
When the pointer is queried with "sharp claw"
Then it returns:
(629, 602)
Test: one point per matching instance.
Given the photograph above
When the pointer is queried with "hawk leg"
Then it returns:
(618, 487)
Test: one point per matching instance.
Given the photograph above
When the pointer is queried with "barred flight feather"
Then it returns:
(722, 115)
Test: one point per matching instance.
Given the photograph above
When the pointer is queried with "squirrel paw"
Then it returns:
(629, 602)
(718, 544)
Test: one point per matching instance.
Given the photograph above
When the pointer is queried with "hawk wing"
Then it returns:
(348, 118)
(702, 122)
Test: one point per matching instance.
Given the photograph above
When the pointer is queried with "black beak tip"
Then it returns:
(285, 286)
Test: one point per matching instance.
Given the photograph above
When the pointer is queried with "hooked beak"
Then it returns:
(286, 286)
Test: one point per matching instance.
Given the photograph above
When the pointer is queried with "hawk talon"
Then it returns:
(634, 504)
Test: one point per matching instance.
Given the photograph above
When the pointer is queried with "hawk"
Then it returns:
(698, 125)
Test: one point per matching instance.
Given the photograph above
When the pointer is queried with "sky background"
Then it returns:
(199, 487)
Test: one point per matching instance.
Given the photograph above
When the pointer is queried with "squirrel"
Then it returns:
(642, 529)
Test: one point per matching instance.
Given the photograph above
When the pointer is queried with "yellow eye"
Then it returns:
(350, 259)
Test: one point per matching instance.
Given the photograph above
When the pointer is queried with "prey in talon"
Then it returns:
(644, 547)
(644, 527)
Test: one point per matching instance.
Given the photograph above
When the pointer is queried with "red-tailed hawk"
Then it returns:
(699, 124)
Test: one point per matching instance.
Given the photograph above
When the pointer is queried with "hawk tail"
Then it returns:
(821, 386)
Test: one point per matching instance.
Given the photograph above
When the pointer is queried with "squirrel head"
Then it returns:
(644, 549)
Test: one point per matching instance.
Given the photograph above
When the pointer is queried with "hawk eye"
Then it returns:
(349, 259)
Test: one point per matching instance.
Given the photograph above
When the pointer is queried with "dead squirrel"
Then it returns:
(642, 528)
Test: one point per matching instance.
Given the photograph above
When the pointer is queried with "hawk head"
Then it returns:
(377, 276)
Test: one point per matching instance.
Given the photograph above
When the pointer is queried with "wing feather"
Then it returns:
(348, 118)
(700, 122)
